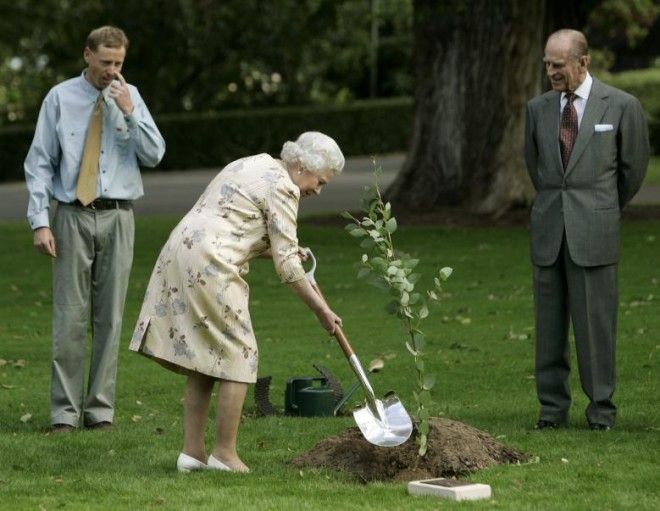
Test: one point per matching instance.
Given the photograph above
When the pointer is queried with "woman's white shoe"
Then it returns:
(187, 463)
(215, 464)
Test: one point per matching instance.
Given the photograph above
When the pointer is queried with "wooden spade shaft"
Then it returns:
(339, 333)
(352, 360)
(384, 423)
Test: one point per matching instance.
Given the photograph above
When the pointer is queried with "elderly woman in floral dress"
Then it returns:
(195, 318)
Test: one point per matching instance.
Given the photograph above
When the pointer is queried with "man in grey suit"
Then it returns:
(586, 150)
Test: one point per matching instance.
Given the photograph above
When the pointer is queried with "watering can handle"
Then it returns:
(339, 333)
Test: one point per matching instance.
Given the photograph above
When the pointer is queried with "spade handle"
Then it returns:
(339, 333)
(344, 344)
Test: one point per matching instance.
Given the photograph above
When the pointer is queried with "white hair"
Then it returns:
(315, 151)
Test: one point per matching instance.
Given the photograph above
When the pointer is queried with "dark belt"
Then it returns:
(103, 204)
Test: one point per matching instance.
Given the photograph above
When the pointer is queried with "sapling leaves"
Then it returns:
(392, 272)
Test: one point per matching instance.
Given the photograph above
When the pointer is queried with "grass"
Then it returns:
(481, 350)
(653, 172)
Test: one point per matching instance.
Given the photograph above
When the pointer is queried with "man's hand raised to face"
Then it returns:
(120, 93)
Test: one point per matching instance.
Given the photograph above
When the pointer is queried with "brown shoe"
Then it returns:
(100, 425)
(62, 428)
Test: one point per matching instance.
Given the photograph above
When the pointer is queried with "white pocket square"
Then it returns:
(603, 127)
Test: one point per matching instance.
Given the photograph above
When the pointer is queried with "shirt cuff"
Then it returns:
(39, 220)
(131, 121)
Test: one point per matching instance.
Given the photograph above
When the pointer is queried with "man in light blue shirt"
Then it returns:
(91, 241)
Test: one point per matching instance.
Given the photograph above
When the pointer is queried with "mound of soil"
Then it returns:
(454, 449)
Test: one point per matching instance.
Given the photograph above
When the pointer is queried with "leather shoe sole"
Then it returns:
(543, 424)
(59, 429)
(595, 426)
(100, 425)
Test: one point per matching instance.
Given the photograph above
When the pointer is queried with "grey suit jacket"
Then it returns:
(605, 170)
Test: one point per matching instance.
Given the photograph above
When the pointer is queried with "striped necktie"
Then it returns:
(568, 129)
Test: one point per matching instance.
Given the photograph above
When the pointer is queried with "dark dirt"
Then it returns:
(461, 217)
(454, 449)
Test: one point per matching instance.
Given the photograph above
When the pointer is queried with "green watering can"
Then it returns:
(308, 397)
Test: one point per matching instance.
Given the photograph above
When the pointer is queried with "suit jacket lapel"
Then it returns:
(550, 117)
(593, 112)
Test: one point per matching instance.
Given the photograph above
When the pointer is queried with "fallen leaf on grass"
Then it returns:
(513, 336)
(390, 355)
(26, 418)
(3, 362)
(138, 402)
(8, 387)
(159, 500)
(136, 418)
(19, 364)
(376, 365)
(564, 460)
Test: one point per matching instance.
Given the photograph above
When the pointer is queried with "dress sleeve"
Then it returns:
(281, 223)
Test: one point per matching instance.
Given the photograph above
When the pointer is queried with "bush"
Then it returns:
(214, 139)
(644, 84)
(364, 127)
(14, 144)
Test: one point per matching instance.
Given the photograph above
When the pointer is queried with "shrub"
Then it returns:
(644, 84)
(214, 139)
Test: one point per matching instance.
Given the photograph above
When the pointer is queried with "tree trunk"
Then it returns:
(477, 63)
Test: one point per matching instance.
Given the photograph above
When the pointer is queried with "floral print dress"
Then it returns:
(195, 314)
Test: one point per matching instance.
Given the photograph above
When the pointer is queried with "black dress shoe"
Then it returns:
(62, 428)
(543, 424)
(595, 426)
(100, 425)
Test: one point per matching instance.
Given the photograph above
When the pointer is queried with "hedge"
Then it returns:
(211, 140)
(644, 84)
(363, 127)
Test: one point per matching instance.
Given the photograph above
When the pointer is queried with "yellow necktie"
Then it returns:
(89, 166)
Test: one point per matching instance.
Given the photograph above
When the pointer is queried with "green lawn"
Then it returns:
(653, 173)
(480, 345)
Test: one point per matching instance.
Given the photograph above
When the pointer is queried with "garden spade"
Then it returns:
(382, 422)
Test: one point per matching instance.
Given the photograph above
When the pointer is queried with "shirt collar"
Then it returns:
(88, 88)
(583, 90)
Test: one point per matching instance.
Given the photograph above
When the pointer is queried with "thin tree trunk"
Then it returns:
(477, 63)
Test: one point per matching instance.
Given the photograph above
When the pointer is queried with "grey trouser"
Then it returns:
(589, 296)
(90, 274)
